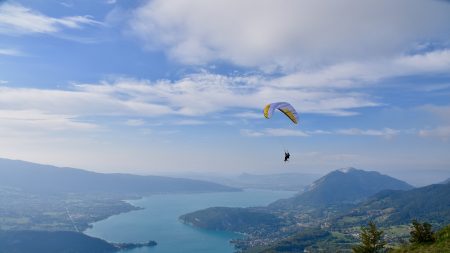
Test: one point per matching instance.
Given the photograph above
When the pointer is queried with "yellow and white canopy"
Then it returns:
(284, 107)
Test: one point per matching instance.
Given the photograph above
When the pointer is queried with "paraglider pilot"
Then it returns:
(286, 156)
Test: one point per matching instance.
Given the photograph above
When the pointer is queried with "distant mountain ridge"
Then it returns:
(446, 181)
(295, 181)
(335, 204)
(38, 178)
(281, 181)
(341, 188)
(344, 186)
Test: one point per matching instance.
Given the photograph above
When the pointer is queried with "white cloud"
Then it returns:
(10, 52)
(251, 133)
(200, 94)
(16, 19)
(441, 128)
(386, 132)
(435, 87)
(349, 75)
(442, 132)
(441, 112)
(337, 90)
(273, 132)
(34, 120)
(76, 102)
(435, 61)
(284, 132)
(288, 34)
(318, 132)
(248, 115)
(134, 122)
(189, 122)
(67, 4)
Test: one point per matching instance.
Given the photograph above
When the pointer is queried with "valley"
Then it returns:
(329, 215)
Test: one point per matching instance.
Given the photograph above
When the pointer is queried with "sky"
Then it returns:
(178, 86)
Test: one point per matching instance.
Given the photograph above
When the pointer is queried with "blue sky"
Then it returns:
(171, 86)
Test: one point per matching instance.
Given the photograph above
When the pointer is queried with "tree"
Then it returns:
(421, 233)
(371, 240)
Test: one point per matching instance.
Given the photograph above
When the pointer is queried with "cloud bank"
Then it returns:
(338, 90)
(291, 34)
(16, 19)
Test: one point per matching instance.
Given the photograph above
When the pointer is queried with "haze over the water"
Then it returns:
(167, 86)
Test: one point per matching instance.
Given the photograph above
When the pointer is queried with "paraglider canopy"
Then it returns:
(284, 107)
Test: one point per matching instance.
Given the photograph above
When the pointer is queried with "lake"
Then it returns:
(159, 221)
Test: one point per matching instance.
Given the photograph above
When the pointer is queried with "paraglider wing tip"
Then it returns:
(266, 111)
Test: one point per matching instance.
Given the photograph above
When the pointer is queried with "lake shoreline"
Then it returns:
(159, 220)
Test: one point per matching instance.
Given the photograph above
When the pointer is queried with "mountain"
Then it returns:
(38, 178)
(278, 181)
(445, 181)
(331, 195)
(327, 217)
(344, 186)
(59, 242)
(282, 181)
(430, 203)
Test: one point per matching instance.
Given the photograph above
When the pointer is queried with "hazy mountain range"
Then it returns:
(339, 202)
(44, 208)
(281, 181)
(340, 187)
(446, 181)
(323, 214)
(38, 178)
(276, 181)
(39, 197)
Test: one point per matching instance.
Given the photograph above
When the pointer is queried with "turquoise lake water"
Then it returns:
(159, 221)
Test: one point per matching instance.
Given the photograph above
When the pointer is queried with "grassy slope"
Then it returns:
(442, 244)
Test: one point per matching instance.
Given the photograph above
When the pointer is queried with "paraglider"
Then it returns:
(286, 156)
(288, 110)
(284, 107)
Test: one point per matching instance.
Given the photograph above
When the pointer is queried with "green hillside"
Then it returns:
(430, 203)
(232, 219)
(442, 244)
(309, 240)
